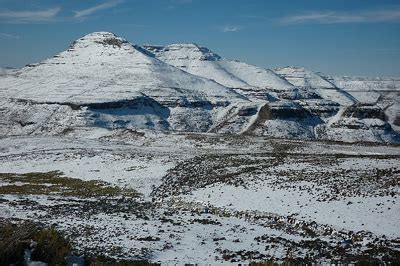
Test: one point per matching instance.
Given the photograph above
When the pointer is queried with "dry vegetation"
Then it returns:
(55, 183)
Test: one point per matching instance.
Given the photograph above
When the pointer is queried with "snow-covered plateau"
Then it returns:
(174, 154)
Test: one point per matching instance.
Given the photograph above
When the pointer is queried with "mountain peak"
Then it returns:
(100, 37)
(100, 34)
(179, 51)
(292, 68)
(303, 77)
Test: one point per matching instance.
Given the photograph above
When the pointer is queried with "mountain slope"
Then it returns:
(103, 83)
(203, 62)
(381, 91)
(302, 77)
(120, 85)
(101, 67)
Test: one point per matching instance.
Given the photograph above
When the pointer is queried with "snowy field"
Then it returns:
(209, 199)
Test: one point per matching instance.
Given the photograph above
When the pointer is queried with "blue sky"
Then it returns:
(354, 37)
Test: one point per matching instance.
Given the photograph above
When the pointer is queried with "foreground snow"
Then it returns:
(271, 198)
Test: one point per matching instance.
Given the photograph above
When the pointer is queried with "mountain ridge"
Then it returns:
(103, 81)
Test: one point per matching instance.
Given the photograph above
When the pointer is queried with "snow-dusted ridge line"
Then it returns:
(203, 62)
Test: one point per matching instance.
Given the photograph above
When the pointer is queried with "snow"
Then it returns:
(303, 77)
(362, 214)
(104, 82)
(224, 154)
(357, 83)
(381, 91)
(140, 173)
(142, 162)
(202, 62)
(7, 71)
(93, 71)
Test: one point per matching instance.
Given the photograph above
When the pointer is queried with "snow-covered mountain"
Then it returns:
(380, 91)
(308, 79)
(355, 83)
(7, 71)
(117, 84)
(202, 62)
(101, 67)
(375, 100)
(103, 81)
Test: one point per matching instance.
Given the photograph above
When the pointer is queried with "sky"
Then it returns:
(336, 37)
